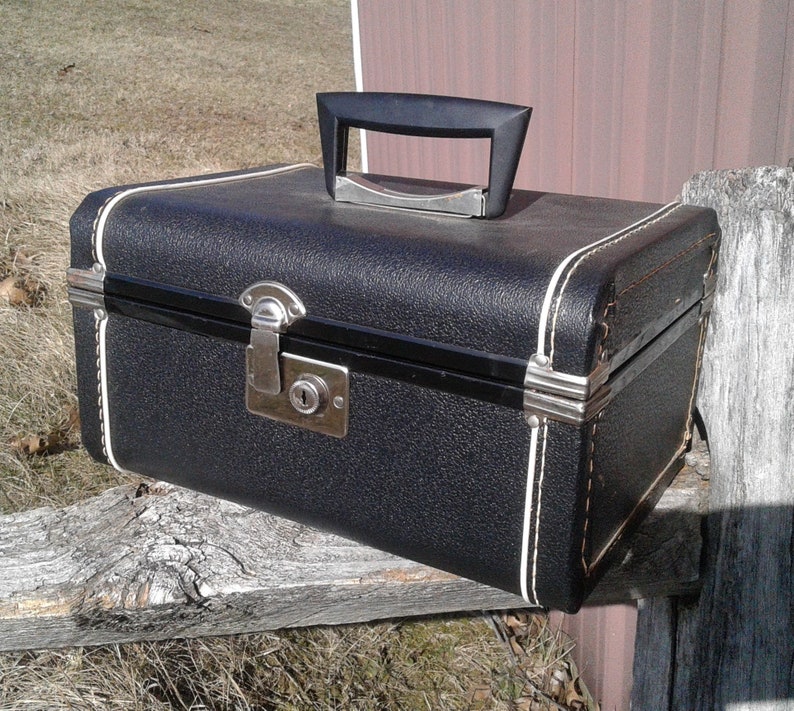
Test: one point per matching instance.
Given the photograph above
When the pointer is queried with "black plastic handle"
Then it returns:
(431, 116)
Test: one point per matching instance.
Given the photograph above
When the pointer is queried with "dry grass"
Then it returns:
(97, 93)
(447, 664)
(104, 95)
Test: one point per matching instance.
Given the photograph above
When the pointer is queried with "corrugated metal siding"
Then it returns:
(604, 651)
(630, 98)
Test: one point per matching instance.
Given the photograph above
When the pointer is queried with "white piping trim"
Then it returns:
(533, 448)
(537, 512)
(103, 324)
(544, 313)
(99, 234)
(582, 253)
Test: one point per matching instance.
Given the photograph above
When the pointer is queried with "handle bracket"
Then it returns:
(356, 188)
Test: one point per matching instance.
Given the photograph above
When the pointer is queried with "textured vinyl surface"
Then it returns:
(429, 475)
(476, 284)
(424, 474)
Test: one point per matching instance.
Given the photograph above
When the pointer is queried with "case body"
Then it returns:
(517, 391)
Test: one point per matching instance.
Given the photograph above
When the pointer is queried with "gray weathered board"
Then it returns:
(160, 561)
(733, 647)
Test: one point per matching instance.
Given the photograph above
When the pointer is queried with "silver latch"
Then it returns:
(286, 387)
(273, 307)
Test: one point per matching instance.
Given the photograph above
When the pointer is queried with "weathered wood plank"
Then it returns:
(735, 646)
(167, 562)
(656, 624)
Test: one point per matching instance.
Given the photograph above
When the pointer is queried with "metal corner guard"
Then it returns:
(567, 398)
(86, 287)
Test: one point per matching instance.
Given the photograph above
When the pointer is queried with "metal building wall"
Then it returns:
(630, 98)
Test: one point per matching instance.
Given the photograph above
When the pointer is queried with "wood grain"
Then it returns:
(160, 561)
(734, 646)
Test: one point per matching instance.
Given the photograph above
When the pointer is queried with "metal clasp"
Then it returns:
(286, 387)
(273, 307)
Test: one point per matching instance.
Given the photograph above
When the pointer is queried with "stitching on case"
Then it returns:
(589, 254)
(537, 514)
(681, 449)
(586, 255)
(590, 468)
(698, 363)
(100, 405)
(600, 349)
(593, 431)
(527, 523)
(565, 263)
(99, 389)
(687, 434)
(666, 264)
(95, 225)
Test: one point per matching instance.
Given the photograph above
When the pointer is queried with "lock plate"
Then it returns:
(302, 378)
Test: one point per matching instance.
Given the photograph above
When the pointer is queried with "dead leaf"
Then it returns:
(518, 650)
(63, 71)
(20, 259)
(22, 291)
(572, 697)
(12, 292)
(18, 291)
(34, 289)
(61, 439)
(72, 421)
(30, 445)
(480, 695)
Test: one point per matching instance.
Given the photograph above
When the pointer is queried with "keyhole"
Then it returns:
(308, 394)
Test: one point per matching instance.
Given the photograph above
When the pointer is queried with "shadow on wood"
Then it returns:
(733, 648)
(160, 561)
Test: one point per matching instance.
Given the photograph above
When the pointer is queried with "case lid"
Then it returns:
(579, 283)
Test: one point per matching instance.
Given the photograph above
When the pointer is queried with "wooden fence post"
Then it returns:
(733, 647)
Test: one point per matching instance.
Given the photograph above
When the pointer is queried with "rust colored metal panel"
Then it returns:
(643, 71)
(604, 650)
(522, 53)
(630, 99)
(785, 124)
(751, 83)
